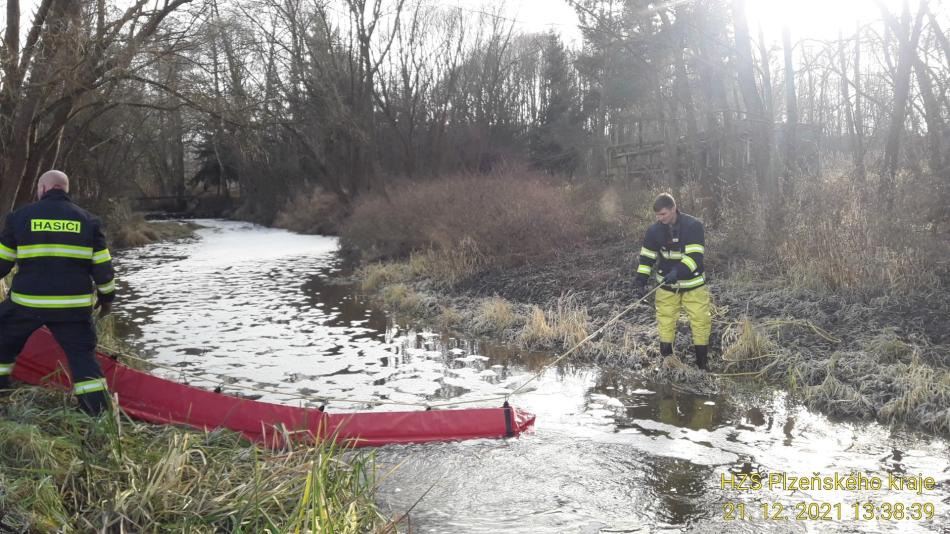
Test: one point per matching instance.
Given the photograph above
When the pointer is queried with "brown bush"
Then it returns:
(317, 212)
(507, 217)
(835, 241)
(614, 211)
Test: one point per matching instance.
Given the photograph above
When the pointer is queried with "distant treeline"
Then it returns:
(268, 99)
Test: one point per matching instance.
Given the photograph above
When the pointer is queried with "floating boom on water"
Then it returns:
(157, 400)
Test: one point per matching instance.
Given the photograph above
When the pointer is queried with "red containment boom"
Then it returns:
(157, 400)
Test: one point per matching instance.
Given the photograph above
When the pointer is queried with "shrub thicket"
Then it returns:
(317, 212)
(837, 240)
(506, 217)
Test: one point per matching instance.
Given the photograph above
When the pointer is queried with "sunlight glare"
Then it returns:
(815, 18)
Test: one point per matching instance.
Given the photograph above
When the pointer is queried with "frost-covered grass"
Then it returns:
(564, 324)
(495, 315)
(375, 276)
(801, 306)
(536, 332)
(402, 298)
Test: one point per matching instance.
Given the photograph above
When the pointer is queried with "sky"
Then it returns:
(806, 18)
(531, 15)
(820, 19)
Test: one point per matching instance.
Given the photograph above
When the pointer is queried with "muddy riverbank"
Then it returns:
(615, 448)
(855, 357)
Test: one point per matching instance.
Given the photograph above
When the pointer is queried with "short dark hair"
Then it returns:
(664, 201)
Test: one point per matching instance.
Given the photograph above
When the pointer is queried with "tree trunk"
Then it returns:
(908, 33)
(685, 96)
(768, 108)
(931, 116)
(854, 136)
(24, 150)
(760, 124)
(791, 117)
(858, 109)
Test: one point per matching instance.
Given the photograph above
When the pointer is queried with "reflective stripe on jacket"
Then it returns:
(679, 246)
(63, 262)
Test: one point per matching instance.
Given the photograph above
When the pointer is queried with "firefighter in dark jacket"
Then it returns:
(672, 255)
(64, 269)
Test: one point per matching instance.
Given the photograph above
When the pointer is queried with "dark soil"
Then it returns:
(602, 280)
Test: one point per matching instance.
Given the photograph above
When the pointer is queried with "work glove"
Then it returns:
(671, 277)
(105, 308)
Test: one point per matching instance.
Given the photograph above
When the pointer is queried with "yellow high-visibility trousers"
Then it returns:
(696, 304)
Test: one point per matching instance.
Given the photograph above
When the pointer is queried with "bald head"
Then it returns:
(52, 180)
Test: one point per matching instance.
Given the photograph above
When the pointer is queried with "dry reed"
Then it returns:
(63, 471)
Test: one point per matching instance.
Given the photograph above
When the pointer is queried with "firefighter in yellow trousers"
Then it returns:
(672, 255)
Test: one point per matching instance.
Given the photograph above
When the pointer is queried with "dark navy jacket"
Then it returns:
(679, 246)
(62, 258)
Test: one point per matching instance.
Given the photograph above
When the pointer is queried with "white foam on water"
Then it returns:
(235, 304)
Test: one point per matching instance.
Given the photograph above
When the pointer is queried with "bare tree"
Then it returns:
(64, 58)
(907, 31)
(852, 112)
(791, 115)
(761, 124)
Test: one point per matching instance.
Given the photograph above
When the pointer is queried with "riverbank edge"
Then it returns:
(61, 470)
(139, 231)
(310, 486)
(850, 358)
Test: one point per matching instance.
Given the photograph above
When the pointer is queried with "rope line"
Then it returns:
(350, 400)
(613, 320)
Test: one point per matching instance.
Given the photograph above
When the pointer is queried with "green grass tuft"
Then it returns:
(63, 471)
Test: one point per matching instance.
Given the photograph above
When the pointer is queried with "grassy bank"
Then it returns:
(137, 231)
(61, 471)
(845, 309)
(125, 228)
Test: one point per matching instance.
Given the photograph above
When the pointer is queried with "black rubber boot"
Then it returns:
(94, 403)
(666, 349)
(702, 356)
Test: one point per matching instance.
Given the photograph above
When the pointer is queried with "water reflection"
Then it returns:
(251, 306)
(755, 417)
(344, 306)
(679, 486)
(642, 400)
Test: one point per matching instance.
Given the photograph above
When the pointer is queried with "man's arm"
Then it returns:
(648, 254)
(693, 252)
(7, 247)
(102, 273)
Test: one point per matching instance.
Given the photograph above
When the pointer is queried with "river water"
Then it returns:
(252, 307)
